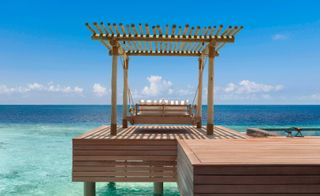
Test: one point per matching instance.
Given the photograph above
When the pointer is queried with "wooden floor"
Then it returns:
(276, 166)
(135, 154)
(162, 133)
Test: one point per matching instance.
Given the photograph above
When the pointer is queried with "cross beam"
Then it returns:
(164, 53)
(163, 38)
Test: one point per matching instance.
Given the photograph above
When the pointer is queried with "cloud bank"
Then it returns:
(250, 87)
(38, 87)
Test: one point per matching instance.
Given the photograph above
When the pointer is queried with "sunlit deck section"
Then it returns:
(162, 133)
(268, 166)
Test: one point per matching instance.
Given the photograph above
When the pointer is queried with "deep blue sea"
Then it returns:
(35, 143)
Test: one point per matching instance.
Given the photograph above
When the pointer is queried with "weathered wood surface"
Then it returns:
(276, 166)
(162, 132)
(139, 161)
(135, 154)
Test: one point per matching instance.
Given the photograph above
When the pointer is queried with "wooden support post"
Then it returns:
(89, 188)
(158, 188)
(125, 93)
(199, 104)
(115, 47)
(210, 125)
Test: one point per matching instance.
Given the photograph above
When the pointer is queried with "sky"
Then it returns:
(47, 56)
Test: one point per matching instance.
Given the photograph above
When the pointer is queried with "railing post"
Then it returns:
(210, 125)
(125, 93)
(115, 48)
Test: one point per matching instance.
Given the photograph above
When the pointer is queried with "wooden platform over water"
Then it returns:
(227, 163)
(135, 154)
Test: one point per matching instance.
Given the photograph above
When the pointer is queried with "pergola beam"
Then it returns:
(164, 38)
(163, 53)
(158, 41)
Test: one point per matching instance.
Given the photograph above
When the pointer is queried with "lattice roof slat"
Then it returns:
(162, 41)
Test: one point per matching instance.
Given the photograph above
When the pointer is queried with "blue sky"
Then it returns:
(47, 56)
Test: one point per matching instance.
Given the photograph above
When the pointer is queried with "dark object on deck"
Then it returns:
(297, 129)
(256, 132)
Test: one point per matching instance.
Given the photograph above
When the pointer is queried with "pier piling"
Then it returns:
(157, 188)
(89, 188)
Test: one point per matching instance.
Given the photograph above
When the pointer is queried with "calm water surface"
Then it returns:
(35, 143)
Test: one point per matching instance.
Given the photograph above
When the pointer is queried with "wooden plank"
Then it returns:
(245, 179)
(119, 142)
(253, 194)
(124, 153)
(271, 189)
(124, 179)
(231, 170)
(128, 147)
(124, 163)
(127, 168)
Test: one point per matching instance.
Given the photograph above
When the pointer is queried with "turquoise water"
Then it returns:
(35, 143)
(36, 160)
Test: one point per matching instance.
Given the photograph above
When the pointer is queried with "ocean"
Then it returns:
(35, 143)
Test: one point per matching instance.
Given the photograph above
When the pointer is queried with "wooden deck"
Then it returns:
(135, 154)
(227, 163)
(269, 166)
(162, 133)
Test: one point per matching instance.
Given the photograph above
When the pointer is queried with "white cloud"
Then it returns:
(33, 87)
(278, 37)
(157, 86)
(247, 91)
(6, 90)
(313, 97)
(64, 89)
(250, 87)
(99, 90)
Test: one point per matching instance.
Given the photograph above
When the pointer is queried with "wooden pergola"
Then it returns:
(144, 40)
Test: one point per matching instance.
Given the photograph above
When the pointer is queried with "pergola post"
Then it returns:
(115, 48)
(212, 52)
(125, 93)
(199, 102)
